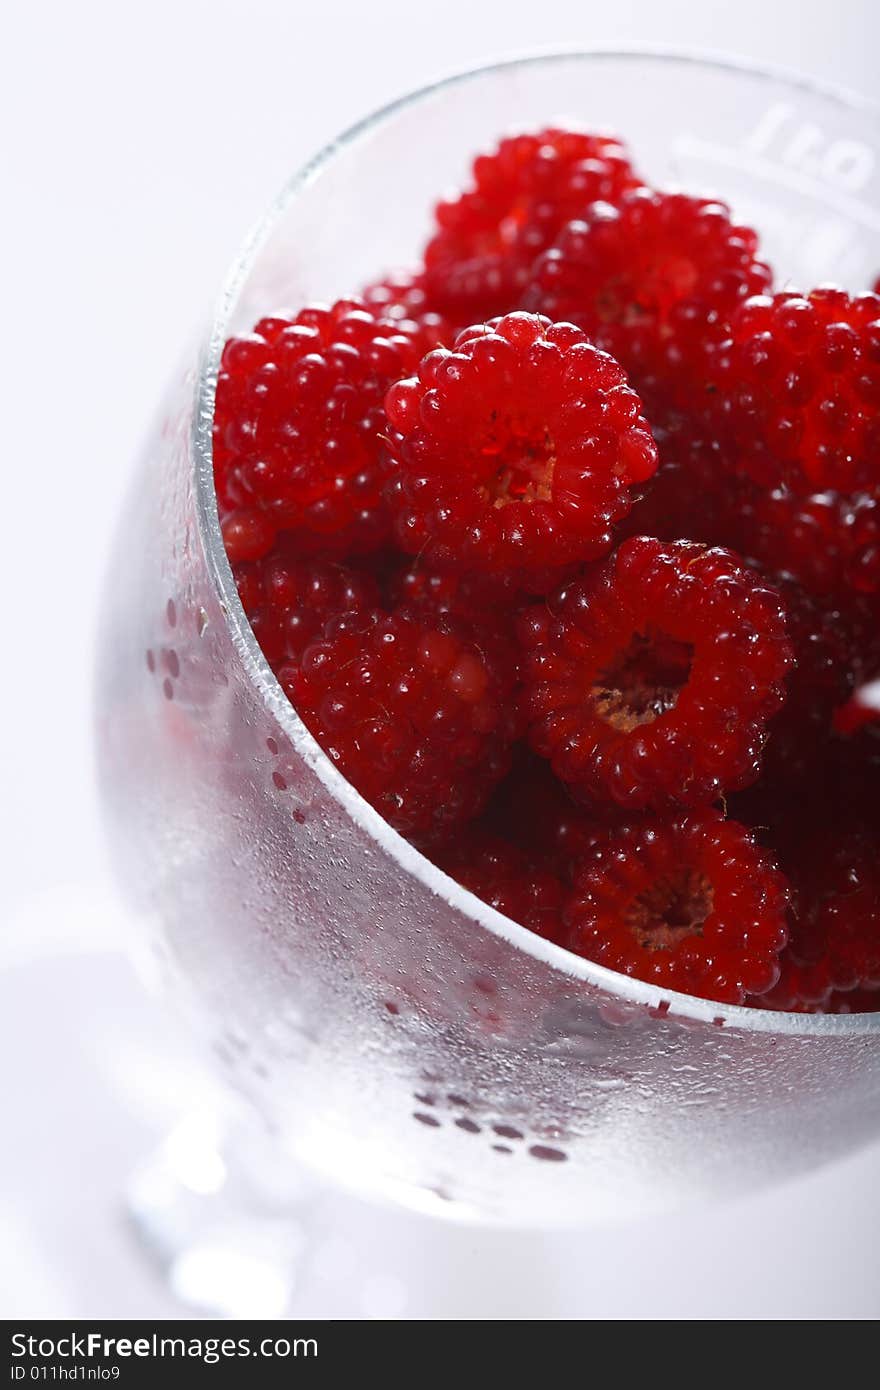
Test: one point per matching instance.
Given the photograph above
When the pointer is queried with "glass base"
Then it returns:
(229, 1226)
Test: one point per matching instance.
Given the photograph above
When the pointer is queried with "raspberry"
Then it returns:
(843, 790)
(690, 903)
(417, 709)
(298, 424)
(515, 452)
(799, 989)
(523, 192)
(651, 280)
(288, 601)
(402, 297)
(853, 1001)
(825, 832)
(651, 680)
(533, 811)
(820, 681)
(829, 542)
(450, 591)
(796, 389)
(821, 547)
(835, 941)
(497, 873)
(694, 495)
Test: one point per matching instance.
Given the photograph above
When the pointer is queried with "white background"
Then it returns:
(139, 146)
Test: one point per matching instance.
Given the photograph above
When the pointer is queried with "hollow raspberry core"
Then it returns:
(670, 910)
(523, 473)
(644, 681)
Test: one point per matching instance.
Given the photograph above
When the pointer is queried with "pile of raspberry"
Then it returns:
(566, 548)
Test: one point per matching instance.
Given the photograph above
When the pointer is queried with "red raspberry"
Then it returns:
(652, 281)
(796, 389)
(799, 989)
(828, 541)
(417, 709)
(853, 1001)
(823, 546)
(651, 680)
(532, 810)
(298, 426)
(497, 872)
(820, 681)
(825, 831)
(515, 452)
(842, 789)
(523, 193)
(690, 903)
(694, 495)
(402, 297)
(450, 591)
(288, 601)
(835, 941)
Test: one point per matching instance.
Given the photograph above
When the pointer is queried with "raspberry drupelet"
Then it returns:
(796, 388)
(688, 903)
(417, 708)
(298, 426)
(650, 681)
(288, 600)
(652, 280)
(515, 453)
(523, 192)
(498, 873)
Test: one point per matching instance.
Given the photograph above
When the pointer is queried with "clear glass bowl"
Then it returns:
(391, 1028)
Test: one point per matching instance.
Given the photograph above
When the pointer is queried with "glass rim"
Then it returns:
(670, 1003)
